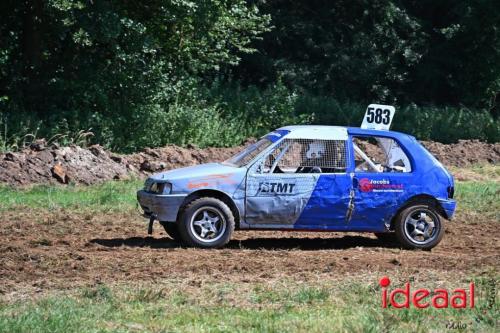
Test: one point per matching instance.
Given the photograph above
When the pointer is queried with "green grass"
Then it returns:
(109, 196)
(489, 170)
(481, 197)
(221, 307)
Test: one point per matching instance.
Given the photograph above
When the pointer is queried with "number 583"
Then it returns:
(378, 116)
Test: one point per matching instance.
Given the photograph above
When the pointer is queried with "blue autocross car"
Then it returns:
(314, 178)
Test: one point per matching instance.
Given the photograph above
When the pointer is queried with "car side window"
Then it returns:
(307, 156)
(379, 154)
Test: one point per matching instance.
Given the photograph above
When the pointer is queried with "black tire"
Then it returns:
(172, 230)
(413, 237)
(193, 223)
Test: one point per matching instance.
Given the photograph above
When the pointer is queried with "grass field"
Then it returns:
(473, 196)
(113, 195)
(213, 298)
(286, 306)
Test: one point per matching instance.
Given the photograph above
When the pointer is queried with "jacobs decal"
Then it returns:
(379, 185)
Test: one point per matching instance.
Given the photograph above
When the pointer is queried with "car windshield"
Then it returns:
(249, 153)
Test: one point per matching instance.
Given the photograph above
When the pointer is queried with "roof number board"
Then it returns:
(378, 117)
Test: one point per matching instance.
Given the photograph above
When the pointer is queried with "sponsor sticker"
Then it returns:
(379, 185)
(274, 188)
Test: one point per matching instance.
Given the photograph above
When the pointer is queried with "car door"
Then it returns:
(382, 176)
(300, 184)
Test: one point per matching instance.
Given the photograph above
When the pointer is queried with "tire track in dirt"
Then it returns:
(61, 250)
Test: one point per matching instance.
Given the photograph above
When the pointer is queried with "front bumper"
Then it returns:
(448, 207)
(161, 207)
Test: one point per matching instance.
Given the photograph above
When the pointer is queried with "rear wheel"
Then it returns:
(419, 226)
(172, 230)
(206, 222)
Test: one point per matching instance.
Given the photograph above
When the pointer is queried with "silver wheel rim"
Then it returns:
(207, 224)
(421, 226)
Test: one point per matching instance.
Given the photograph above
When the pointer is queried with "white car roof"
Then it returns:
(316, 132)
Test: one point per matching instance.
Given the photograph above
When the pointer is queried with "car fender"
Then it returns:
(236, 205)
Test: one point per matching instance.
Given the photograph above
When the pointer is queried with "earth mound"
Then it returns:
(51, 164)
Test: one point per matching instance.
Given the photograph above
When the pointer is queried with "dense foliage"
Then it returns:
(429, 52)
(214, 72)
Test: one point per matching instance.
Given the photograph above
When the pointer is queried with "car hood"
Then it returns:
(216, 176)
(196, 171)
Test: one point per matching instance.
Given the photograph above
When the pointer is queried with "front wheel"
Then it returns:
(172, 230)
(419, 226)
(206, 222)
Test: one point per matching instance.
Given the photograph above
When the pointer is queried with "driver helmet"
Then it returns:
(316, 150)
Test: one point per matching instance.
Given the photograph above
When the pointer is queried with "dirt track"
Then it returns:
(60, 251)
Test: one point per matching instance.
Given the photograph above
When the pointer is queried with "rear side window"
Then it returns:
(379, 154)
(307, 156)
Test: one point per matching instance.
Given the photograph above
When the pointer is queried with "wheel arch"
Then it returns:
(419, 198)
(224, 197)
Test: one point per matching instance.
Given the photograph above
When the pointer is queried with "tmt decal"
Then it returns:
(271, 188)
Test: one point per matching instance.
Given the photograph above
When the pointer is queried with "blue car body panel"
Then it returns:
(328, 204)
(347, 201)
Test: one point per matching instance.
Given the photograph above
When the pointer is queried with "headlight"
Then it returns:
(147, 184)
(167, 188)
(160, 188)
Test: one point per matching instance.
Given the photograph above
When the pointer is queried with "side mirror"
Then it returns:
(259, 168)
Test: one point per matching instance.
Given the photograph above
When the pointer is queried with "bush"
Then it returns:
(446, 124)
(227, 114)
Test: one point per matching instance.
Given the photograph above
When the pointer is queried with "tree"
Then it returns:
(423, 52)
(87, 61)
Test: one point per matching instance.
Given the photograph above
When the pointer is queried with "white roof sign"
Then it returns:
(378, 117)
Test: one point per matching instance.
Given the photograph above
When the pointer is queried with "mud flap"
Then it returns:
(150, 225)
